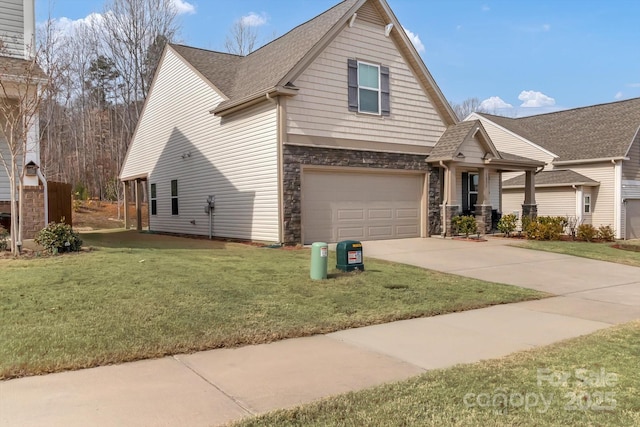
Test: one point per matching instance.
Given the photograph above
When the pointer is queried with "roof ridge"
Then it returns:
(569, 110)
(204, 50)
(298, 26)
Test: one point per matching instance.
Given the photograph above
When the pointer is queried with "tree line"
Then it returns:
(99, 73)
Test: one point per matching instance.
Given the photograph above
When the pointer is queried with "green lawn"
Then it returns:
(599, 251)
(588, 381)
(137, 296)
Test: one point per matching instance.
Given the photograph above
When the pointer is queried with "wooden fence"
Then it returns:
(60, 202)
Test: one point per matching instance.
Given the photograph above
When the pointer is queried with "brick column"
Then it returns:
(530, 211)
(483, 218)
(33, 211)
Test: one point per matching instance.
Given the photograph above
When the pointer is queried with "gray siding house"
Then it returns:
(324, 134)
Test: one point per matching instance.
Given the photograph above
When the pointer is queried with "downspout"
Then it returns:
(617, 209)
(445, 199)
(280, 166)
(578, 211)
(46, 196)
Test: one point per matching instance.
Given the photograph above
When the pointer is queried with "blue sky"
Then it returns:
(534, 55)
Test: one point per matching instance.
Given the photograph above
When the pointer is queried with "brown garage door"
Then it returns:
(360, 206)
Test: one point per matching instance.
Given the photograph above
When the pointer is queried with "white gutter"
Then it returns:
(617, 197)
(46, 196)
(600, 159)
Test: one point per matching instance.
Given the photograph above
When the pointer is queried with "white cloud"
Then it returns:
(533, 99)
(634, 85)
(485, 8)
(254, 20)
(183, 7)
(415, 39)
(618, 95)
(546, 27)
(494, 103)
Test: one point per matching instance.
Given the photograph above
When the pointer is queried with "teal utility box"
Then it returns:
(319, 257)
(349, 256)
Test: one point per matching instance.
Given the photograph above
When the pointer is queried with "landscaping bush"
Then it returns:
(606, 233)
(58, 237)
(3, 239)
(508, 224)
(544, 227)
(587, 232)
(464, 224)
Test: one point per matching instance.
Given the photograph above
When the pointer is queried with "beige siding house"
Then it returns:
(592, 163)
(20, 76)
(325, 134)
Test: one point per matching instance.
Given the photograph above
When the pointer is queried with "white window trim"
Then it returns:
(153, 198)
(586, 208)
(378, 90)
(175, 197)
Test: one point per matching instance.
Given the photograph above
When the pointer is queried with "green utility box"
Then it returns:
(319, 257)
(349, 255)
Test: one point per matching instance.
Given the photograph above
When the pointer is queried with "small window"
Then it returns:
(368, 88)
(587, 204)
(174, 197)
(154, 201)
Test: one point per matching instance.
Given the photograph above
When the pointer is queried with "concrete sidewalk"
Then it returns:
(218, 386)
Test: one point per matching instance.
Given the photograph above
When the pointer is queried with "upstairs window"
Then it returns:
(174, 197)
(368, 88)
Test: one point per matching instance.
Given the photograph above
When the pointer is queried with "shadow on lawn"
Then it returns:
(145, 240)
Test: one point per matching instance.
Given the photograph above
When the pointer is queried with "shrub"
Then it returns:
(3, 239)
(606, 233)
(58, 237)
(464, 224)
(587, 232)
(508, 224)
(544, 227)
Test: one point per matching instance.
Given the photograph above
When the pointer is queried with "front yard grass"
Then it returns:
(587, 381)
(137, 296)
(599, 251)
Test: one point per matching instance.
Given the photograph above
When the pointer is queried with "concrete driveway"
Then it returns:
(589, 289)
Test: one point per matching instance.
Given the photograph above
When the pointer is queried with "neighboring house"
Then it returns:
(17, 50)
(592, 162)
(324, 134)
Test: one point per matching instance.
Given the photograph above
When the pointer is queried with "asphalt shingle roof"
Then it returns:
(449, 143)
(552, 178)
(597, 131)
(241, 77)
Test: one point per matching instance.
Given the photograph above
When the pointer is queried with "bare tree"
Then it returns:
(241, 39)
(22, 84)
(468, 106)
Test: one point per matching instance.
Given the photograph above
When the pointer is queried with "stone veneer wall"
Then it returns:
(33, 211)
(296, 156)
(435, 202)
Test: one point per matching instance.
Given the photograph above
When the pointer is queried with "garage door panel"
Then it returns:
(632, 214)
(360, 206)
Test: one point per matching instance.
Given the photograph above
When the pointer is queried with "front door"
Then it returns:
(469, 192)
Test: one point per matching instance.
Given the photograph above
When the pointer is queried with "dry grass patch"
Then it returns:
(136, 296)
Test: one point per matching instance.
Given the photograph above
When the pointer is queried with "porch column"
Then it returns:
(138, 205)
(452, 209)
(127, 219)
(529, 208)
(483, 204)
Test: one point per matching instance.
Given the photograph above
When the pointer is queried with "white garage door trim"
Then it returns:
(361, 204)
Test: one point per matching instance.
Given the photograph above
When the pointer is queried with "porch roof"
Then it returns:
(450, 143)
(553, 178)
